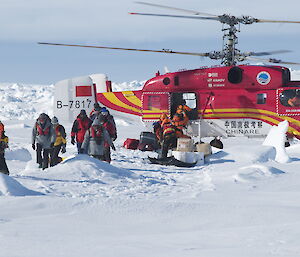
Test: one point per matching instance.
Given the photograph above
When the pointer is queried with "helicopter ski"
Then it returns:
(232, 99)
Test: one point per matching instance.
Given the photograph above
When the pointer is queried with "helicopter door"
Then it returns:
(288, 101)
(185, 98)
(154, 104)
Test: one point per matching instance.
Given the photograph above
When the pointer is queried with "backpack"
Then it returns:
(97, 134)
(131, 143)
(41, 131)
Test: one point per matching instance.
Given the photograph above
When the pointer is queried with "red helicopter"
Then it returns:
(227, 100)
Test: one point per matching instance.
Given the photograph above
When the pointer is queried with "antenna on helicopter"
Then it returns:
(229, 54)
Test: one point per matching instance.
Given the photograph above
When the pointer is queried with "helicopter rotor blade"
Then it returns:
(167, 51)
(225, 19)
(177, 16)
(266, 53)
(176, 9)
(271, 60)
(276, 21)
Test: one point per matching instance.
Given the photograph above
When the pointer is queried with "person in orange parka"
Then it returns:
(169, 137)
(157, 127)
(180, 120)
(184, 107)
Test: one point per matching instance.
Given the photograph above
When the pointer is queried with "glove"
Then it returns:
(63, 149)
(73, 140)
(113, 147)
(33, 146)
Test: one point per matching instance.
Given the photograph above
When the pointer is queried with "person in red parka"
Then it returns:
(80, 126)
(95, 112)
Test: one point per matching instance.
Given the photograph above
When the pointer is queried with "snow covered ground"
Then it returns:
(240, 203)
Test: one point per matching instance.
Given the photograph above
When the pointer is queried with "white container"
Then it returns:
(189, 157)
(204, 148)
(185, 145)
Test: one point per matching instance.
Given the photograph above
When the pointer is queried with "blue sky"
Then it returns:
(24, 23)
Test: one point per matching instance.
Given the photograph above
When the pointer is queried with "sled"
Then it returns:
(171, 161)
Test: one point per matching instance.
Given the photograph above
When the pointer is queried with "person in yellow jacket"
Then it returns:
(3, 146)
(60, 142)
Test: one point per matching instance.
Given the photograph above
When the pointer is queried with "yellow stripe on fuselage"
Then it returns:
(153, 109)
(111, 97)
(131, 97)
(242, 115)
(245, 110)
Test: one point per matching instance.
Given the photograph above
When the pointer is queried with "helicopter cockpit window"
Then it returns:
(261, 98)
(154, 102)
(290, 98)
(190, 100)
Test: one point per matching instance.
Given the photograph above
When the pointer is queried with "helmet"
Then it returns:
(54, 120)
(104, 111)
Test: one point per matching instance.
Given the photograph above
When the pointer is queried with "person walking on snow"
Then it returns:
(110, 126)
(80, 126)
(3, 146)
(95, 112)
(94, 139)
(105, 112)
(60, 142)
(43, 135)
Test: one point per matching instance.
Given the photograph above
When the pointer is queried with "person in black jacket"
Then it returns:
(43, 138)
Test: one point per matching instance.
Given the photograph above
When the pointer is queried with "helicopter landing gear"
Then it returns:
(216, 143)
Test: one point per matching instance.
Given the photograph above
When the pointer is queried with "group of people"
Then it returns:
(167, 129)
(93, 135)
(48, 139)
